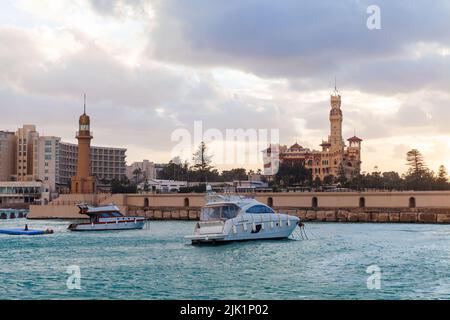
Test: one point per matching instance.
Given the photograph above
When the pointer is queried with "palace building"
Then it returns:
(334, 157)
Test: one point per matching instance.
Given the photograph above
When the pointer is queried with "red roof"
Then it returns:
(354, 138)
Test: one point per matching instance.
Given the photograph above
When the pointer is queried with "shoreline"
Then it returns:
(325, 215)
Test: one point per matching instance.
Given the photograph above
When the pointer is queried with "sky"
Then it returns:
(153, 68)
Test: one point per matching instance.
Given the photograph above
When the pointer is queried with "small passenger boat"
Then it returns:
(106, 218)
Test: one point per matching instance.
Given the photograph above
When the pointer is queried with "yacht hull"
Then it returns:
(238, 230)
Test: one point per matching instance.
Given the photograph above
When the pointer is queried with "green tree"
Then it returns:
(442, 174)
(137, 174)
(175, 170)
(123, 185)
(418, 176)
(329, 179)
(292, 174)
(341, 178)
(415, 162)
(239, 174)
(202, 162)
(146, 186)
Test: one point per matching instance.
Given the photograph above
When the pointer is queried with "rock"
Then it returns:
(427, 217)
(302, 214)
(149, 214)
(193, 215)
(158, 215)
(331, 216)
(176, 215)
(408, 217)
(363, 217)
(373, 216)
(321, 216)
(394, 217)
(353, 217)
(311, 215)
(383, 217)
(443, 218)
(342, 216)
(184, 214)
(167, 215)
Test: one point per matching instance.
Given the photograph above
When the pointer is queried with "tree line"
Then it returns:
(295, 174)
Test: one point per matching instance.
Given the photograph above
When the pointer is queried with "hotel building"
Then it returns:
(27, 139)
(58, 163)
(27, 157)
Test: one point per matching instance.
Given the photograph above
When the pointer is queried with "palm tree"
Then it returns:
(137, 174)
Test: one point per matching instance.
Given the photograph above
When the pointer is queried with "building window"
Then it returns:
(412, 202)
(146, 203)
(186, 202)
(362, 202)
(270, 202)
(314, 202)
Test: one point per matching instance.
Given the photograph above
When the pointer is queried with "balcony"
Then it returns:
(85, 134)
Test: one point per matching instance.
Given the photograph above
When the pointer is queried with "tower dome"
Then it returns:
(84, 119)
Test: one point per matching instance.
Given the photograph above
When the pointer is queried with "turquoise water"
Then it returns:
(155, 263)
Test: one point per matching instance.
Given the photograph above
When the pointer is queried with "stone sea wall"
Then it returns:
(380, 215)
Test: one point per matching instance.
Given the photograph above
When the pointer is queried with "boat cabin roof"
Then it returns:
(92, 211)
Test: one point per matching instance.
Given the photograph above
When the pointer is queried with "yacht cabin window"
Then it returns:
(219, 212)
(259, 209)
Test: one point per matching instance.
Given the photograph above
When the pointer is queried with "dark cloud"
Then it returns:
(309, 40)
(306, 42)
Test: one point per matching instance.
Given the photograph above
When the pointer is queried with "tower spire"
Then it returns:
(335, 86)
(84, 103)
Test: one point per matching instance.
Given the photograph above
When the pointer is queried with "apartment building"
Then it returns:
(7, 155)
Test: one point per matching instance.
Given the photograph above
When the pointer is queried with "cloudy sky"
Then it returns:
(152, 67)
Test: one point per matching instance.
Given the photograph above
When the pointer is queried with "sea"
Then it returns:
(335, 261)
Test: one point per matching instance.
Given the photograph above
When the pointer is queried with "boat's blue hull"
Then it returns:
(21, 232)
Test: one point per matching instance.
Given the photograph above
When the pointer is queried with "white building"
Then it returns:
(163, 186)
(147, 168)
(14, 193)
(58, 162)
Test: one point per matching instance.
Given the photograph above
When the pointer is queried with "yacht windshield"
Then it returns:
(220, 212)
(259, 209)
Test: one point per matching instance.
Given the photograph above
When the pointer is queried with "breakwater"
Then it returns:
(380, 215)
(372, 206)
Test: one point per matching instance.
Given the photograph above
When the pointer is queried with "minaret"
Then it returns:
(336, 118)
(83, 182)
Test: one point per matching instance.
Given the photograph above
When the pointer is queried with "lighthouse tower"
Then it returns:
(83, 182)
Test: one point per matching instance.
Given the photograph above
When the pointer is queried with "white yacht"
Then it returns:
(235, 218)
(106, 218)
